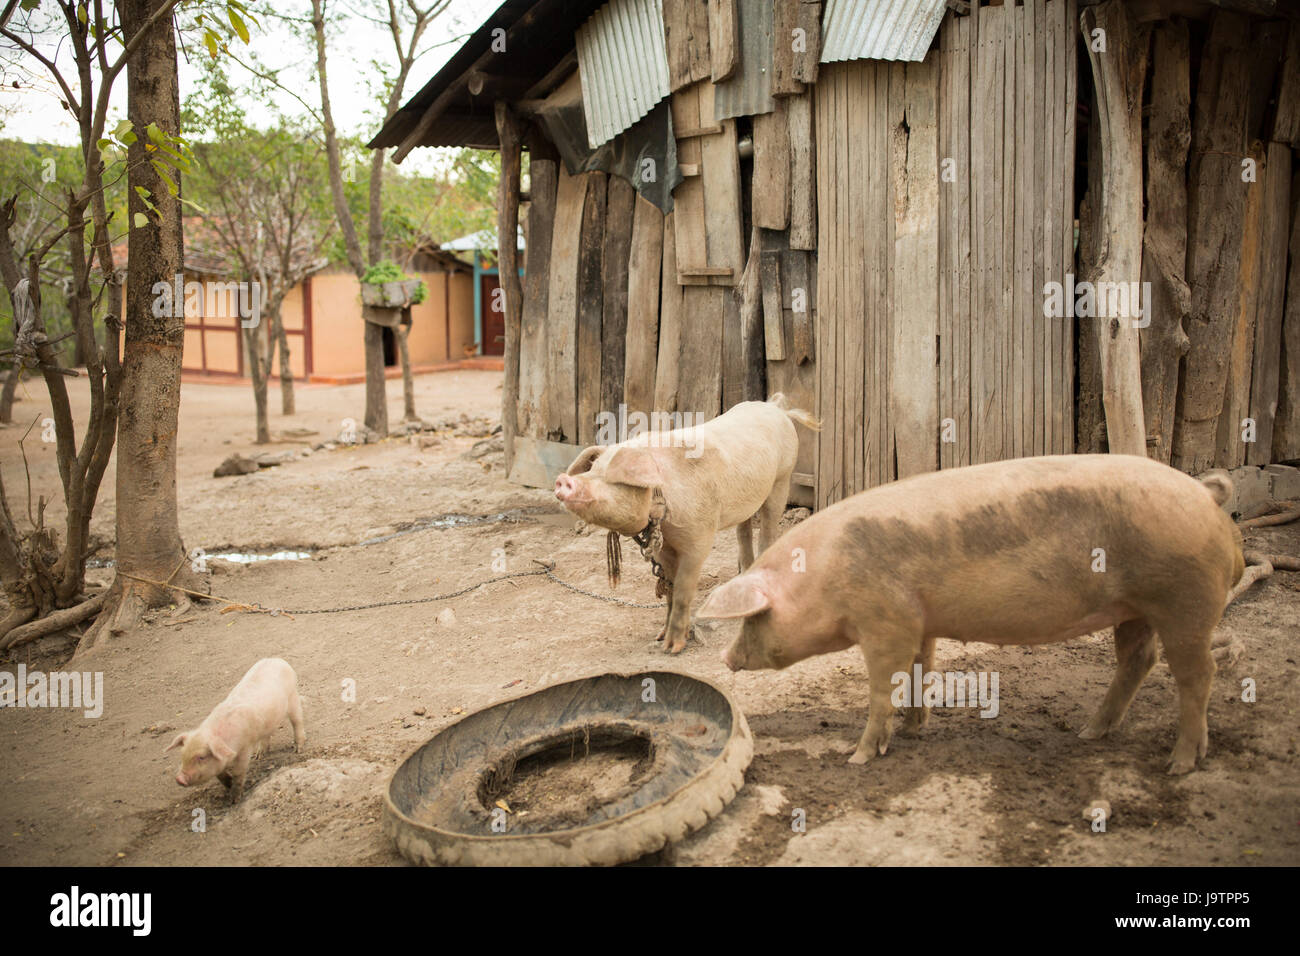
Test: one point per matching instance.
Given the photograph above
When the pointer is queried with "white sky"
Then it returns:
(33, 114)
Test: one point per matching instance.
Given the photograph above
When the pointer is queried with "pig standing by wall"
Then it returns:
(240, 727)
(713, 476)
(1027, 551)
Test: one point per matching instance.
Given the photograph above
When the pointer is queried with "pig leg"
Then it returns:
(667, 561)
(684, 587)
(745, 535)
(888, 652)
(295, 720)
(769, 516)
(1135, 653)
(918, 714)
(1192, 664)
(237, 772)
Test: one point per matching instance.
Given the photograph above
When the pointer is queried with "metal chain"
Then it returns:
(548, 570)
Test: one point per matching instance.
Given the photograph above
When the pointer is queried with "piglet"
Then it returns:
(240, 727)
(717, 475)
(1027, 551)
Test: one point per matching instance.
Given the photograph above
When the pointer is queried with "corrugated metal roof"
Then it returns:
(879, 29)
(748, 92)
(623, 62)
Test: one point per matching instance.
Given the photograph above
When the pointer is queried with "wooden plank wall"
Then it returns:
(937, 352)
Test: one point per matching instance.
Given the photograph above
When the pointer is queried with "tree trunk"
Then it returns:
(7, 395)
(1164, 252)
(148, 533)
(408, 381)
(259, 372)
(508, 271)
(1118, 75)
(286, 366)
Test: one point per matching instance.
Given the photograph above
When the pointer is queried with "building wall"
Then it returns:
(337, 324)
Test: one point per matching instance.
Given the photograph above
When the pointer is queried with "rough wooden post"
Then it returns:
(1216, 196)
(507, 247)
(1118, 71)
(376, 386)
(1164, 249)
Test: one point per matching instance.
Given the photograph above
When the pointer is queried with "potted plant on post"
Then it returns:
(385, 286)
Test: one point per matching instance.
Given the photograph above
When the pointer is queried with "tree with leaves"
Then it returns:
(407, 24)
(262, 190)
(135, 393)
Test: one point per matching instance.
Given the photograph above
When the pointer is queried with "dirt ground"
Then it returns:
(1009, 790)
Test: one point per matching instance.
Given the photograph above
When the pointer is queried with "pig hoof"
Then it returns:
(1178, 767)
(915, 722)
(861, 756)
(1092, 732)
(675, 647)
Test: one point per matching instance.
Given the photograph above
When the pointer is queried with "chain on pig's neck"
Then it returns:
(649, 539)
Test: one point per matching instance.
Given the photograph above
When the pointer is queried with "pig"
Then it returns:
(240, 727)
(1027, 551)
(720, 474)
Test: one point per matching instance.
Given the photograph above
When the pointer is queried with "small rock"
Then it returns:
(446, 617)
(419, 712)
(235, 465)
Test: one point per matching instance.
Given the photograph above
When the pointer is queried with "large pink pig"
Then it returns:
(240, 727)
(720, 474)
(1027, 551)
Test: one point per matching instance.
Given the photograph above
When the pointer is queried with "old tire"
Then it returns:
(438, 807)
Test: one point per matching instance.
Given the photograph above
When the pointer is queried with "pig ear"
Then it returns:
(583, 462)
(742, 596)
(177, 741)
(634, 466)
(221, 750)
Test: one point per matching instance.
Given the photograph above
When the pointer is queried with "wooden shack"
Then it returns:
(920, 218)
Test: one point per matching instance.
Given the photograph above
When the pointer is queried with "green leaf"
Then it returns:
(237, 22)
(122, 128)
(103, 144)
(81, 14)
(210, 39)
(161, 170)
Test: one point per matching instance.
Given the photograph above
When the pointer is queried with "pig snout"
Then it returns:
(564, 487)
(183, 780)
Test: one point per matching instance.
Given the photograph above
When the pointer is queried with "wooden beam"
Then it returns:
(1118, 76)
(645, 261)
(785, 37)
(1164, 246)
(619, 214)
(724, 39)
(1216, 207)
(591, 306)
(1286, 427)
(1270, 305)
(770, 195)
(508, 225)
(686, 35)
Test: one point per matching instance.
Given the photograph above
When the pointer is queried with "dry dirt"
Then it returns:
(968, 790)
